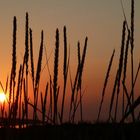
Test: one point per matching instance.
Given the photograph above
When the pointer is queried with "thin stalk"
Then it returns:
(65, 72)
(120, 67)
(55, 88)
(105, 83)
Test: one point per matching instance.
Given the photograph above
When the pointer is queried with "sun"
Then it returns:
(2, 97)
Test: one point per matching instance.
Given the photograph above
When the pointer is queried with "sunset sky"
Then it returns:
(100, 20)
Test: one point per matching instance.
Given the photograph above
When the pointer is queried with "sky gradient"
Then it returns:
(100, 20)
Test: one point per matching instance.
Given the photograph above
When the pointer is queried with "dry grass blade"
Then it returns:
(80, 76)
(125, 68)
(26, 42)
(17, 93)
(41, 112)
(137, 74)
(38, 75)
(73, 88)
(14, 55)
(78, 103)
(132, 48)
(46, 93)
(121, 57)
(105, 83)
(39, 62)
(132, 25)
(82, 64)
(51, 98)
(120, 66)
(128, 98)
(124, 15)
(126, 56)
(133, 88)
(6, 85)
(55, 88)
(113, 95)
(1, 86)
(118, 75)
(79, 84)
(64, 73)
(10, 88)
(132, 108)
(44, 102)
(26, 58)
(14, 50)
(65, 51)
(10, 94)
(31, 57)
(79, 54)
(41, 96)
(47, 61)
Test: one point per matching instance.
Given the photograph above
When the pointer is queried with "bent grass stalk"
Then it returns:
(105, 83)
(125, 69)
(37, 80)
(120, 67)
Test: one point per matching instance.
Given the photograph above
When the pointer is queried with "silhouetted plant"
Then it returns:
(105, 83)
(37, 80)
(125, 69)
(26, 59)
(65, 72)
(55, 78)
(118, 75)
(120, 66)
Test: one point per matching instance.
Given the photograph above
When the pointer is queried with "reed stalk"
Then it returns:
(31, 57)
(125, 70)
(105, 83)
(37, 80)
(14, 56)
(26, 59)
(65, 72)
(55, 78)
(17, 94)
(120, 67)
(79, 84)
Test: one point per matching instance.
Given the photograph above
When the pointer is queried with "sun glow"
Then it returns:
(2, 97)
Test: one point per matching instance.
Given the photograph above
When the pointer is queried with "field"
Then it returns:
(85, 131)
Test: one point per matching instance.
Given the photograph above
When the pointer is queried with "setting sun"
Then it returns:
(2, 97)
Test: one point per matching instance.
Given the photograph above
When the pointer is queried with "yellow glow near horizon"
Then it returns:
(2, 97)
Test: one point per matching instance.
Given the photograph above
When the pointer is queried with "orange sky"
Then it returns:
(101, 21)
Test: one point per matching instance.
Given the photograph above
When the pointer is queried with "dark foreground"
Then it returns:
(74, 132)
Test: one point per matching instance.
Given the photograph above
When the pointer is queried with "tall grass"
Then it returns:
(55, 78)
(120, 66)
(132, 48)
(13, 69)
(13, 74)
(125, 69)
(77, 84)
(118, 76)
(32, 58)
(105, 83)
(37, 79)
(65, 72)
(26, 59)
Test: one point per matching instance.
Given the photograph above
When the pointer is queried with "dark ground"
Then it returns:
(101, 131)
